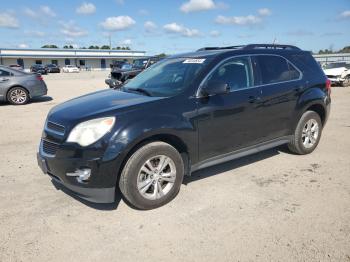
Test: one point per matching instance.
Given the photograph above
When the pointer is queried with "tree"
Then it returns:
(49, 46)
(346, 49)
(94, 47)
(68, 47)
(105, 47)
(162, 55)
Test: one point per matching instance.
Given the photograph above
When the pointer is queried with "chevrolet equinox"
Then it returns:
(182, 114)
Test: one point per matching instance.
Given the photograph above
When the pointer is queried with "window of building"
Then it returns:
(20, 62)
(38, 62)
(82, 62)
(67, 61)
(54, 62)
(103, 63)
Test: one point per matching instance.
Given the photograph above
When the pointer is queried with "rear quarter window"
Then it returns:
(275, 69)
(4, 73)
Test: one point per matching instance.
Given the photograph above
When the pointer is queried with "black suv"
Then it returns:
(186, 112)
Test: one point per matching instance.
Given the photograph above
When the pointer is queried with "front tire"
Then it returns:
(17, 96)
(307, 134)
(152, 176)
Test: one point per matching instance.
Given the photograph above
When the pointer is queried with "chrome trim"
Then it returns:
(254, 86)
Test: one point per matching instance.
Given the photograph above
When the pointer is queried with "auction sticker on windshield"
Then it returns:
(193, 61)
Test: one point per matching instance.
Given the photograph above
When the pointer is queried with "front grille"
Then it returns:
(331, 76)
(50, 148)
(55, 127)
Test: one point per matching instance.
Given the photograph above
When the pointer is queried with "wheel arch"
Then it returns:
(170, 139)
(319, 109)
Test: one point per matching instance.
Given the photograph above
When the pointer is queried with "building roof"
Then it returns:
(69, 53)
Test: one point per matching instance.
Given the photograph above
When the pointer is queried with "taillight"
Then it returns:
(328, 86)
(39, 77)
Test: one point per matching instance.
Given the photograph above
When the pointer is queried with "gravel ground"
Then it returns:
(272, 206)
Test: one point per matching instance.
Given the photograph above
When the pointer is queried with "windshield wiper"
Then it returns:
(140, 90)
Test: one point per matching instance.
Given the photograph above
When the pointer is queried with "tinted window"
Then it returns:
(274, 69)
(294, 74)
(236, 72)
(4, 73)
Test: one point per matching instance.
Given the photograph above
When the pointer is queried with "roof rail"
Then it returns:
(221, 48)
(270, 46)
(252, 46)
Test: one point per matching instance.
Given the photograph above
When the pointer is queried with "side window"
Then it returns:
(294, 74)
(236, 72)
(276, 69)
(4, 73)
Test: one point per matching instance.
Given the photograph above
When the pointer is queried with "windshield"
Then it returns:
(139, 63)
(335, 65)
(166, 78)
(126, 67)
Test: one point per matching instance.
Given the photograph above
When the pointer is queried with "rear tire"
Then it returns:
(307, 134)
(152, 176)
(17, 96)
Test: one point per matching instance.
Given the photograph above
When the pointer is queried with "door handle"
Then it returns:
(253, 99)
(4, 79)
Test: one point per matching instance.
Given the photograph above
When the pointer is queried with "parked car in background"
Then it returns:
(40, 69)
(70, 69)
(18, 87)
(127, 71)
(185, 113)
(15, 66)
(52, 68)
(338, 73)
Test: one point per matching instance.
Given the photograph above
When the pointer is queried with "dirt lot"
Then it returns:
(273, 206)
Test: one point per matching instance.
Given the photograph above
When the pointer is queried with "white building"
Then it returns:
(94, 59)
(330, 58)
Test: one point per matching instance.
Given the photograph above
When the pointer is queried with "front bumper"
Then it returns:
(101, 186)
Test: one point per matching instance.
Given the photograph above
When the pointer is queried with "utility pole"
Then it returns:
(110, 41)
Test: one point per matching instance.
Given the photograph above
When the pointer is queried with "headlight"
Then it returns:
(89, 132)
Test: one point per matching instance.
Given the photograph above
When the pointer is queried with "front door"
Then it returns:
(227, 122)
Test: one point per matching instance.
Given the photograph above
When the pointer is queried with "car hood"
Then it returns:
(97, 104)
(334, 71)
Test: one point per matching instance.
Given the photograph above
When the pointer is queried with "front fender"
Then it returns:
(131, 134)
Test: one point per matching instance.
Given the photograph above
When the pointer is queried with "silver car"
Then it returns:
(18, 87)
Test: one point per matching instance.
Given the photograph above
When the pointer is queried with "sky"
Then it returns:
(175, 26)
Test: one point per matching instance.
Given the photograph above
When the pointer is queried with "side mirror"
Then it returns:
(215, 88)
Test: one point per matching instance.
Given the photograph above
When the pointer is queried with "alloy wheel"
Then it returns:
(18, 96)
(156, 177)
(310, 133)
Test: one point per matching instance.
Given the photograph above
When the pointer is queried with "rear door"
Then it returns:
(281, 83)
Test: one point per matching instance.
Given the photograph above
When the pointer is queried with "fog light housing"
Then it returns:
(82, 175)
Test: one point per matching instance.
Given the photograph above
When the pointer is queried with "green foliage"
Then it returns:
(49, 46)
(94, 47)
(346, 49)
